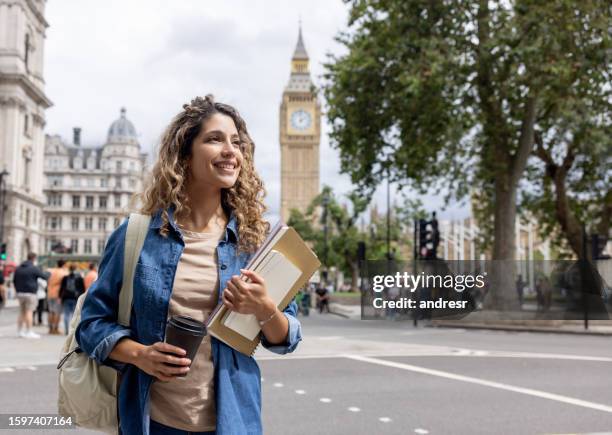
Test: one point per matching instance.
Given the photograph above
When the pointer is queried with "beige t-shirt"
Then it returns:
(189, 403)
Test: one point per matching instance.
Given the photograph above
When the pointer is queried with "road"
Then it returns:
(378, 377)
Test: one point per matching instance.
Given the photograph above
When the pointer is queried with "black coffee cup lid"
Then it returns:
(188, 323)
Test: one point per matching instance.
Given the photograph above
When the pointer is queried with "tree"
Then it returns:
(447, 95)
(571, 171)
(343, 234)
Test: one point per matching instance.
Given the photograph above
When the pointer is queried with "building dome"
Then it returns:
(122, 130)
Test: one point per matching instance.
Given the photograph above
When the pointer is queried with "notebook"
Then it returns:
(279, 274)
(286, 263)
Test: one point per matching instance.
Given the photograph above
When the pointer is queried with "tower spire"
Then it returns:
(300, 50)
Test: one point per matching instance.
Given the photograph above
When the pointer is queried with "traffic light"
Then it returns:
(3, 252)
(361, 251)
(429, 238)
(423, 238)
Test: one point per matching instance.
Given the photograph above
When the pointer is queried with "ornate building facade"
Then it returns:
(88, 190)
(22, 120)
(300, 134)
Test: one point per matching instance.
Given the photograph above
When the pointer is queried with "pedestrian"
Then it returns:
(206, 203)
(41, 295)
(539, 293)
(71, 288)
(520, 288)
(91, 276)
(322, 298)
(25, 280)
(393, 294)
(54, 303)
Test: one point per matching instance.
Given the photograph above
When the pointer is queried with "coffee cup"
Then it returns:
(186, 333)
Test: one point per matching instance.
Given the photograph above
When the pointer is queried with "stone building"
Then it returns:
(300, 134)
(22, 120)
(88, 190)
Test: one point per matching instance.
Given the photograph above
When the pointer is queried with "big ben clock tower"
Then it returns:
(300, 134)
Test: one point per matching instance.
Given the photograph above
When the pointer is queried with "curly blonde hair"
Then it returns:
(168, 179)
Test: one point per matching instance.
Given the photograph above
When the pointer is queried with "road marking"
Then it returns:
(385, 419)
(325, 400)
(454, 352)
(472, 380)
(278, 384)
(421, 431)
(300, 392)
(331, 337)
(6, 369)
(353, 409)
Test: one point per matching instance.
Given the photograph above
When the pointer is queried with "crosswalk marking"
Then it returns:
(472, 380)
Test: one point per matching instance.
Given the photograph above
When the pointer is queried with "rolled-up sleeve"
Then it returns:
(99, 331)
(294, 335)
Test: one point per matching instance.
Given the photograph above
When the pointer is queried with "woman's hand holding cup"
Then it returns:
(163, 361)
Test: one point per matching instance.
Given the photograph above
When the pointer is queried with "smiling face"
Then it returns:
(216, 153)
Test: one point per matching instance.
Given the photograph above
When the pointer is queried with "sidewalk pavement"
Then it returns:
(596, 327)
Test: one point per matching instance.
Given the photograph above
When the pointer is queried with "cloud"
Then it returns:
(152, 56)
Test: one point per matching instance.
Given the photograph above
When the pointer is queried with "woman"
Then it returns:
(206, 202)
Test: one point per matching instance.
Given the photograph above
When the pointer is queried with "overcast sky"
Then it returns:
(151, 56)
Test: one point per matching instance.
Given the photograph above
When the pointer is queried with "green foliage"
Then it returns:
(448, 95)
(342, 235)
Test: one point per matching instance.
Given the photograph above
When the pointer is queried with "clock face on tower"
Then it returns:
(301, 120)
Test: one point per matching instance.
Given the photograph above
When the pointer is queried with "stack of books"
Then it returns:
(286, 264)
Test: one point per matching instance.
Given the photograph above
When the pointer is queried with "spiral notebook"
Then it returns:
(286, 263)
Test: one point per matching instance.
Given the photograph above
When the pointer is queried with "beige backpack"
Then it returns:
(88, 390)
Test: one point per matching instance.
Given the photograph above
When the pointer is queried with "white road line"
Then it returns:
(331, 337)
(421, 431)
(325, 400)
(457, 352)
(300, 392)
(6, 369)
(385, 419)
(472, 380)
(353, 409)
(278, 384)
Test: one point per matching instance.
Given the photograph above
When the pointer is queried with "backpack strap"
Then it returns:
(138, 225)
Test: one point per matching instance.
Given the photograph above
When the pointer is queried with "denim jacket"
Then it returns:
(237, 377)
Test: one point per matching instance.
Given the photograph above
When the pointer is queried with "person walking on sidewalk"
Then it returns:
(54, 303)
(91, 276)
(206, 204)
(25, 280)
(520, 289)
(71, 288)
(41, 295)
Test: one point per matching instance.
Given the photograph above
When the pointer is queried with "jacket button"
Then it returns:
(223, 267)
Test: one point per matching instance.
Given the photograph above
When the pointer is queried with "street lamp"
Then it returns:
(325, 204)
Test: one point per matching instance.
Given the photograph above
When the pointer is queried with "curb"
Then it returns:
(518, 328)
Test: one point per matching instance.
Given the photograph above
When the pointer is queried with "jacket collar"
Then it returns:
(231, 231)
